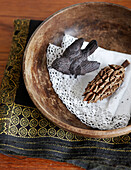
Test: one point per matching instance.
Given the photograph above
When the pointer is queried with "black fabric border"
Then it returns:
(67, 150)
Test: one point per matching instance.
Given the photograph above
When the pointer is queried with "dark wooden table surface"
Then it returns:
(31, 9)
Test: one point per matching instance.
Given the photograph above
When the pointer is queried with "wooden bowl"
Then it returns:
(109, 24)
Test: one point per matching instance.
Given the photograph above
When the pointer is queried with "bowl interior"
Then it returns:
(109, 24)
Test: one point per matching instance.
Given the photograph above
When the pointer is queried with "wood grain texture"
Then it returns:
(41, 9)
(21, 162)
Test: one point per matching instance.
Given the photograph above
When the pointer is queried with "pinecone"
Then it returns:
(106, 82)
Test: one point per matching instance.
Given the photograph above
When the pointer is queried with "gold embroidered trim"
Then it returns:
(10, 80)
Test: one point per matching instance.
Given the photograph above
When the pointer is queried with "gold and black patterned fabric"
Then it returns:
(25, 131)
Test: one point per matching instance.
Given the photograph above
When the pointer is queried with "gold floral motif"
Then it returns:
(42, 132)
(23, 131)
(116, 140)
(125, 139)
(13, 130)
(35, 113)
(24, 122)
(32, 132)
(51, 132)
(33, 122)
(69, 136)
(15, 120)
(26, 112)
(43, 122)
(61, 133)
(17, 110)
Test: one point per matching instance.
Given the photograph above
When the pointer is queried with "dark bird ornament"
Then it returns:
(74, 60)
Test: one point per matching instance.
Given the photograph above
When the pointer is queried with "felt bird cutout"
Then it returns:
(74, 61)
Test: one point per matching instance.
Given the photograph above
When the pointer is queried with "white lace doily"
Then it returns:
(110, 113)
